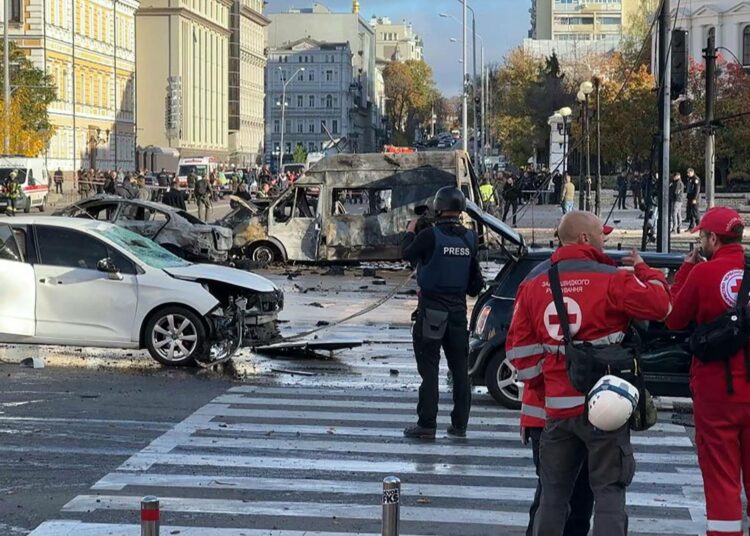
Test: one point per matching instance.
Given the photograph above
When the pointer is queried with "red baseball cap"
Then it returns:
(607, 229)
(719, 220)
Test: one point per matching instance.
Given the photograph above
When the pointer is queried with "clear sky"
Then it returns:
(501, 23)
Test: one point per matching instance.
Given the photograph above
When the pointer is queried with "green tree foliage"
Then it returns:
(300, 155)
(410, 91)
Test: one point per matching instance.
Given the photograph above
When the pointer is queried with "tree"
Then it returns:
(300, 155)
(410, 91)
(637, 34)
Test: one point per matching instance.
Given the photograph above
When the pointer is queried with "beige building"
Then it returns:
(247, 68)
(88, 46)
(395, 42)
(580, 20)
(187, 40)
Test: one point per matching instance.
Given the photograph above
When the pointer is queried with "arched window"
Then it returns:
(746, 46)
(329, 101)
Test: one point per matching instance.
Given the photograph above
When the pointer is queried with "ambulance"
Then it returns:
(33, 179)
(200, 165)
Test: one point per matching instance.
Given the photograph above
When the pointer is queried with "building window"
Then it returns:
(311, 147)
(335, 126)
(288, 147)
(329, 101)
(15, 11)
(329, 76)
(301, 76)
(311, 127)
(300, 127)
(311, 76)
(746, 46)
(300, 101)
(276, 126)
(312, 101)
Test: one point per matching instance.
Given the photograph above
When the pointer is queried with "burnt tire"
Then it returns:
(500, 379)
(264, 253)
(176, 337)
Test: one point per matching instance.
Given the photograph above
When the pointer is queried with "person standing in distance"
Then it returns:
(447, 270)
(704, 291)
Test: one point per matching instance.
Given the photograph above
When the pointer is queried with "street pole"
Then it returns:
(598, 196)
(710, 57)
(662, 235)
(483, 123)
(588, 153)
(581, 198)
(465, 112)
(477, 165)
(6, 76)
(565, 146)
(283, 118)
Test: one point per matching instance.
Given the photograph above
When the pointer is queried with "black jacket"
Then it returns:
(174, 198)
(676, 191)
(693, 187)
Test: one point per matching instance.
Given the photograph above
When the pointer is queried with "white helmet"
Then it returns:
(611, 403)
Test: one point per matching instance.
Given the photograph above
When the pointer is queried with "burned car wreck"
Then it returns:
(347, 207)
(176, 230)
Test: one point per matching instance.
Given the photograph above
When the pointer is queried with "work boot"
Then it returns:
(456, 432)
(419, 432)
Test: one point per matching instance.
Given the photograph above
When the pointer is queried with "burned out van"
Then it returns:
(348, 207)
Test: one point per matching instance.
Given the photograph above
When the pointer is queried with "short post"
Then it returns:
(391, 505)
(149, 516)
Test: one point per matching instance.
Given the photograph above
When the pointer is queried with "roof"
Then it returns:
(118, 199)
(60, 221)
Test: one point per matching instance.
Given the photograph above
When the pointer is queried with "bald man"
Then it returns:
(601, 301)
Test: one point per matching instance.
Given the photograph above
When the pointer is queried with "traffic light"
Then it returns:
(680, 63)
(173, 104)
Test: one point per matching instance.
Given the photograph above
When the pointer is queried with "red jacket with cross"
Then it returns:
(601, 300)
(702, 293)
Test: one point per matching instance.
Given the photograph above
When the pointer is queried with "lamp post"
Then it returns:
(283, 105)
(581, 98)
(6, 76)
(598, 196)
(587, 88)
(565, 113)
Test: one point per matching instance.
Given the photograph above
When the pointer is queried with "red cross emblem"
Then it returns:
(552, 320)
(730, 286)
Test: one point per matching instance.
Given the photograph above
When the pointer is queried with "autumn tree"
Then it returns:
(410, 91)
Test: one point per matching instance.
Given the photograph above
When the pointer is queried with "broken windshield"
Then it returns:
(143, 249)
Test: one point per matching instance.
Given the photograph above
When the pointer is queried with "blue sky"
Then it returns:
(502, 24)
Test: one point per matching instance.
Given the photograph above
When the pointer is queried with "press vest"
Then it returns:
(449, 268)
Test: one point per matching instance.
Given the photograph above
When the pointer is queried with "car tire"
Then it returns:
(42, 206)
(499, 376)
(27, 207)
(175, 336)
(264, 253)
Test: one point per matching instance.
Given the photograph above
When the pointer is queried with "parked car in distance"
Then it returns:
(82, 282)
(176, 230)
(665, 358)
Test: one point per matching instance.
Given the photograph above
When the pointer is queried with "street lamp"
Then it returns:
(586, 89)
(581, 98)
(598, 199)
(283, 105)
(565, 113)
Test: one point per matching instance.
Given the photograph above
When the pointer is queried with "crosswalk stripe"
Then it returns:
(78, 528)
(387, 433)
(90, 503)
(119, 481)
(143, 461)
(223, 410)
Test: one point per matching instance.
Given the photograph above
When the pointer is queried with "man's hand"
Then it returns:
(412, 227)
(694, 257)
(633, 258)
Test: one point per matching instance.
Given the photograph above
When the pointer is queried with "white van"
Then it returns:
(200, 165)
(33, 179)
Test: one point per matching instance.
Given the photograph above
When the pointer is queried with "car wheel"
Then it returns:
(175, 337)
(42, 206)
(500, 378)
(27, 206)
(264, 253)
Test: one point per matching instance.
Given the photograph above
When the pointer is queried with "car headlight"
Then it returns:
(482, 320)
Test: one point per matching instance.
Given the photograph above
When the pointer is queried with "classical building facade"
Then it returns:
(395, 41)
(325, 26)
(187, 41)
(247, 68)
(88, 46)
(320, 99)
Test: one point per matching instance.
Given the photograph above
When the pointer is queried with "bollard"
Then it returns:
(149, 516)
(391, 505)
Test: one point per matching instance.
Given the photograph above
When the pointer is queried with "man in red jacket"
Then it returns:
(601, 301)
(703, 291)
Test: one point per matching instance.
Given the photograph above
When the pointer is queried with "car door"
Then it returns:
(293, 220)
(19, 292)
(76, 303)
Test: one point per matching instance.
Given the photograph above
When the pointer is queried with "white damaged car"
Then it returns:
(75, 282)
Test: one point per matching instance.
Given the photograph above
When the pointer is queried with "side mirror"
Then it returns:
(108, 267)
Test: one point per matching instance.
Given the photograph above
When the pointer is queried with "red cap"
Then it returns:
(719, 220)
(608, 229)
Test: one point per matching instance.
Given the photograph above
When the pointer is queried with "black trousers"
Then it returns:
(581, 502)
(58, 188)
(508, 205)
(455, 344)
(693, 217)
(621, 199)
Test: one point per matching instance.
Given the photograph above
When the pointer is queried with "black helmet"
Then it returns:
(449, 199)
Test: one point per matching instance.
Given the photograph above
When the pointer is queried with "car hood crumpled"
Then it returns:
(223, 274)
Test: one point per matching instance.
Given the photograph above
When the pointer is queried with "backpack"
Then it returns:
(721, 339)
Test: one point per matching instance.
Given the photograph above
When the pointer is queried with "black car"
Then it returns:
(666, 360)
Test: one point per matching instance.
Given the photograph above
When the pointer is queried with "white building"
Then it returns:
(396, 42)
(320, 99)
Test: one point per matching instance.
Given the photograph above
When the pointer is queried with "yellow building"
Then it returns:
(581, 20)
(88, 46)
(187, 40)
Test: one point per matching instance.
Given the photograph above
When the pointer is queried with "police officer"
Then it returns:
(601, 300)
(703, 291)
(447, 270)
(14, 192)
